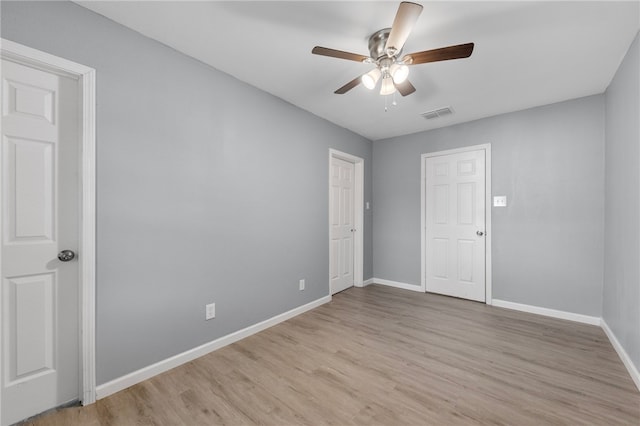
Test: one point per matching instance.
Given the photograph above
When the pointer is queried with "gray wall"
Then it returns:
(548, 242)
(621, 296)
(208, 190)
(211, 190)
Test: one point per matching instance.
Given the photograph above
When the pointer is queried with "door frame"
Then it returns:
(487, 218)
(86, 78)
(358, 211)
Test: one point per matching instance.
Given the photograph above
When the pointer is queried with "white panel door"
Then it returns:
(455, 225)
(40, 211)
(342, 224)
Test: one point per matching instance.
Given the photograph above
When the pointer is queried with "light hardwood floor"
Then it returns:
(385, 356)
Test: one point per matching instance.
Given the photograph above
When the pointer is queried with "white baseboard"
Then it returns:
(624, 356)
(586, 319)
(397, 284)
(367, 282)
(145, 373)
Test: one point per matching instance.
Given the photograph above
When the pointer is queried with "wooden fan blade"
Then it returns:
(403, 23)
(405, 88)
(443, 54)
(350, 85)
(325, 51)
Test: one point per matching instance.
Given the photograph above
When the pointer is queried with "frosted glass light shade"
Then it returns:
(370, 79)
(399, 72)
(387, 86)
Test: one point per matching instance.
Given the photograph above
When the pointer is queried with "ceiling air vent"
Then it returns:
(437, 113)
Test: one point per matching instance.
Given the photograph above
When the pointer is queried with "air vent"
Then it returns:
(429, 115)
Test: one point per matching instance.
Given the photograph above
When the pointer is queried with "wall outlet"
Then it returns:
(301, 285)
(210, 311)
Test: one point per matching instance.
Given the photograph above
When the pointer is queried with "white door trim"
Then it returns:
(87, 254)
(358, 249)
(423, 208)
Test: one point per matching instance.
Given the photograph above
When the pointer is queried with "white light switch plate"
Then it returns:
(500, 201)
(210, 311)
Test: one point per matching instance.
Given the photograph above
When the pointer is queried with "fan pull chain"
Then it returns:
(393, 102)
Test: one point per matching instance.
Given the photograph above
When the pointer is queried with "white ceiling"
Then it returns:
(526, 53)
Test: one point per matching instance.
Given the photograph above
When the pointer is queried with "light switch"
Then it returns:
(366, 205)
(500, 201)
(210, 311)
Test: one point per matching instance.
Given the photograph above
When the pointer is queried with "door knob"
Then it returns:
(66, 255)
(479, 233)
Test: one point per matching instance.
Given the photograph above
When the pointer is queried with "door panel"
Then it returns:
(441, 204)
(440, 258)
(40, 211)
(342, 225)
(30, 315)
(30, 180)
(454, 214)
(466, 201)
(466, 249)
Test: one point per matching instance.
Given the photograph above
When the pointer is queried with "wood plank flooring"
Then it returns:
(386, 356)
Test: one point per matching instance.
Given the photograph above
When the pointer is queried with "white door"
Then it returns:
(455, 224)
(342, 224)
(40, 212)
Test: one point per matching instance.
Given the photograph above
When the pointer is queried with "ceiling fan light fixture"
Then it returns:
(370, 79)
(385, 52)
(387, 86)
(399, 73)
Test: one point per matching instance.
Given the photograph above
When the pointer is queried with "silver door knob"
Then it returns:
(353, 230)
(66, 255)
(479, 233)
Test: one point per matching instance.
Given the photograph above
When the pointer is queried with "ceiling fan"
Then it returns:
(385, 50)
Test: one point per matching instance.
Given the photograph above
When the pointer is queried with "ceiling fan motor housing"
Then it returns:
(377, 44)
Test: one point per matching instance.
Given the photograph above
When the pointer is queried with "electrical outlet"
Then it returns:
(210, 311)
(301, 285)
